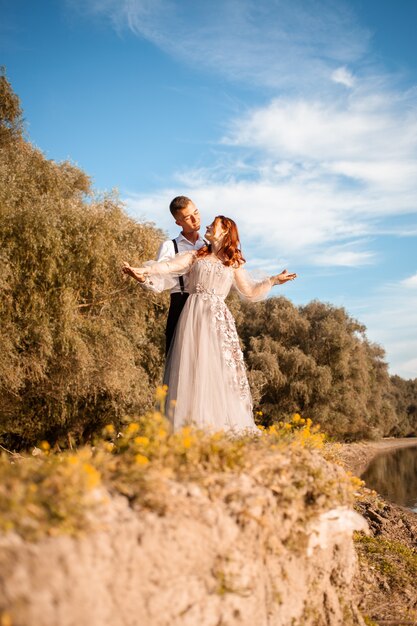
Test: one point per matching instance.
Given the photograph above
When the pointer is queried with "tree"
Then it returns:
(80, 345)
(404, 397)
(316, 360)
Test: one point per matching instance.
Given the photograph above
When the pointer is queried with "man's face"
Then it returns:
(188, 218)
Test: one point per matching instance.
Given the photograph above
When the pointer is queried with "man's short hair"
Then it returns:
(178, 203)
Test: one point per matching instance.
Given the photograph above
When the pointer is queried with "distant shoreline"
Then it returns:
(357, 456)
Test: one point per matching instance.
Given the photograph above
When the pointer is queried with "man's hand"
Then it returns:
(282, 278)
(131, 271)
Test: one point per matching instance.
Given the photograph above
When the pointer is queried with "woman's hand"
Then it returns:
(136, 273)
(282, 278)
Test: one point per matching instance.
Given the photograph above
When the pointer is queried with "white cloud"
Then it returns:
(282, 216)
(383, 173)
(338, 256)
(410, 282)
(308, 177)
(364, 138)
(343, 76)
(271, 43)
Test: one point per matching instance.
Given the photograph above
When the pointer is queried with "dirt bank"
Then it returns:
(268, 546)
(385, 585)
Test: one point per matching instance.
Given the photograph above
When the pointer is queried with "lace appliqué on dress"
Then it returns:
(217, 265)
(225, 326)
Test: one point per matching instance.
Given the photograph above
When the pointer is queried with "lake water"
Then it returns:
(394, 476)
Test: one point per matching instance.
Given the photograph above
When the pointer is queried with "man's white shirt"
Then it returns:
(167, 252)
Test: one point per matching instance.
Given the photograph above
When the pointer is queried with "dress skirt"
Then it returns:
(205, 371)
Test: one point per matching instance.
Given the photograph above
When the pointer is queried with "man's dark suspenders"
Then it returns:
(180, 278)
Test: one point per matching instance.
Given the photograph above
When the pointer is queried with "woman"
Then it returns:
(205, 371)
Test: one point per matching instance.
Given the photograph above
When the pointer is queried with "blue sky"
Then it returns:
(298, 118)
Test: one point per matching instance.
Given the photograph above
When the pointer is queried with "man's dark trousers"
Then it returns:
(177, 304)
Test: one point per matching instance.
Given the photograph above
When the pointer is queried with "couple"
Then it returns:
(205, 372)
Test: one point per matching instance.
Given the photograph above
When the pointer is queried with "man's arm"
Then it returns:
(166, 251)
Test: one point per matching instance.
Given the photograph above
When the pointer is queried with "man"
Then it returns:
(187, 216)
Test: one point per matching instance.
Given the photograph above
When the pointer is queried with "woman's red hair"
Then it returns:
(230, 251)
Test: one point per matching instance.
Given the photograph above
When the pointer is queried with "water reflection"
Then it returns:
(394, 476)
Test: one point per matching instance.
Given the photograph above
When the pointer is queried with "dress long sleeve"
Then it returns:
(166, 252)
(161, 275)
(249, 288)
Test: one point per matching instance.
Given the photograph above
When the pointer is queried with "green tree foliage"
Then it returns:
(80, 345)
(404, 393)
(316, 360)
(11, 123)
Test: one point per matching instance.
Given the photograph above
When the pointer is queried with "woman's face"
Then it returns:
(215, 231)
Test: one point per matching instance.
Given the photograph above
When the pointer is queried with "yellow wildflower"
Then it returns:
(108, 430)
(161, 393)
(140, 459)
(92, 474)
(160, 397)
(141, 441)
(157, 417)
(186, 437)
(296, 418)
(132, 429)
(45, 446)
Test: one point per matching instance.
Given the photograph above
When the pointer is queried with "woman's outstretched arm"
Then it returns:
(255, 290)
